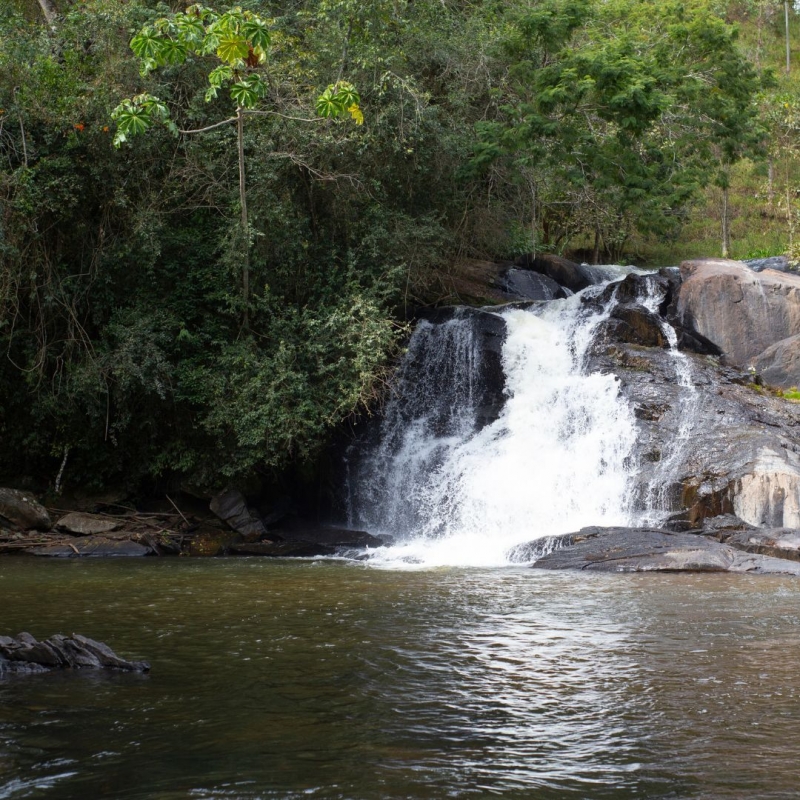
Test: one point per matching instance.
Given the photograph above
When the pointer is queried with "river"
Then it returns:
(335, 679)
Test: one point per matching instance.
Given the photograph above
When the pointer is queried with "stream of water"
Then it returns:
(337, 680)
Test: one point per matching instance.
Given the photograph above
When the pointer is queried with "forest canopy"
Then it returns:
(488, 129)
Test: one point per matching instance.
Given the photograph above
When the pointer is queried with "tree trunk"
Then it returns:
(770, 185)
(49, 11)
(726, 233)
(244, 232)
(786, 19)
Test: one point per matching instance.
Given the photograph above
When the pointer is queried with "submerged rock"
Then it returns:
(25, 654)
(21, 510)
(652, 550)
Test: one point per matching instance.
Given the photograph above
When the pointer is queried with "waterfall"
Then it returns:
(456, 489)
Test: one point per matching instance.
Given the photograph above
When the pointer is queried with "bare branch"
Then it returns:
(211, 127)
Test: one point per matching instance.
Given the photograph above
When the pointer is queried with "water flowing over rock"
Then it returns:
(614, 412)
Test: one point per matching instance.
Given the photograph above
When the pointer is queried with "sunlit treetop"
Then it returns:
(240, 41)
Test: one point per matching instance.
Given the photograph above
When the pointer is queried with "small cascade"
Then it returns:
(456, 488)
(656, 495)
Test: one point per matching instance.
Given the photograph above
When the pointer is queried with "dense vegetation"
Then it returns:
(131, 353)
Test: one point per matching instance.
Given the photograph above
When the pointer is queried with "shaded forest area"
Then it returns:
(131, 356)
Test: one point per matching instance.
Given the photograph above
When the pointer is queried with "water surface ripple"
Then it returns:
(332, 680)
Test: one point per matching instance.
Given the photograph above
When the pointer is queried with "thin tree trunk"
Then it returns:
(245, 233)
(770, 185)
(596, 251)
(49, 11)
(786, 19)
(726, 233)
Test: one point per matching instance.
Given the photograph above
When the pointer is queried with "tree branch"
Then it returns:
(211, 127)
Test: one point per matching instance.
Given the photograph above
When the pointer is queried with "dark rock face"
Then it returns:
(489, 333)
(743, 312)
(650, 550)
(25, 654)
(563, 271)
(231, 507)
(530, 285)
(284, 549)
(93, 547)
(633, 324)
(21, 510)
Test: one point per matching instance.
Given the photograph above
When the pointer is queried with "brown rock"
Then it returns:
(86, 524)
(779, 364)
(231, 507)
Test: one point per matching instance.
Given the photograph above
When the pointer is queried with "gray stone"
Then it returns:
(779, 365)
(21, 510)
(650, 550)
(25, 654)
(231, 507)
(86, 524)
(743, 312)
(779, 543)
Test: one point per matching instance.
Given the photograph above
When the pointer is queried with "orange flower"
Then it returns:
(105, 128)
(79, 127)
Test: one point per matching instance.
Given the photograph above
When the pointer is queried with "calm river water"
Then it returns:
(337, 680)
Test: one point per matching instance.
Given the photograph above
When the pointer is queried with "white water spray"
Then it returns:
(556, 459)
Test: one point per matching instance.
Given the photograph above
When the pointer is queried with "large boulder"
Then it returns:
(651, 550)
(563, 271)
(231, 507)
(741, 311)
(86, 524)
(21, 510)
(529, 285)
(779, 365)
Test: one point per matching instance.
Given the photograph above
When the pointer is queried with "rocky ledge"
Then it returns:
(647, 550)
(24, 654)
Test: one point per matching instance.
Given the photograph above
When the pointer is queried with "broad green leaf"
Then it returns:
(244, 95)
(233, 49)
(147, 44)
(256, 31)
(325, 105)
(220, 75)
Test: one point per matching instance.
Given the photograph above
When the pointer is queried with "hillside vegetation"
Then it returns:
(156, 332)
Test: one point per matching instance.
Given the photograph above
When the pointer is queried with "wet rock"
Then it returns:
(296, 549)
(336, 537)
(743, 312)
(93, 547)
(776, 263)
(21, 510)
(231, 507)
(651, 550)
(529, 285)
(488, 332)
(208, 542)
(632, 324)
(779, 365)
(778, 543)
(723, 448)
(563, 271)
(86, 524)
(25, 654)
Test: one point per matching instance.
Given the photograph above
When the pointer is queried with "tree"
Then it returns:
(239, 42)
(623, 109)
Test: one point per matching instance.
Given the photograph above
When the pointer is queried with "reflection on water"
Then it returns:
(332, 680)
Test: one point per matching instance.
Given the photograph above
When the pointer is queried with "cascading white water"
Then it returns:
(656, 494)
(556, 459)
